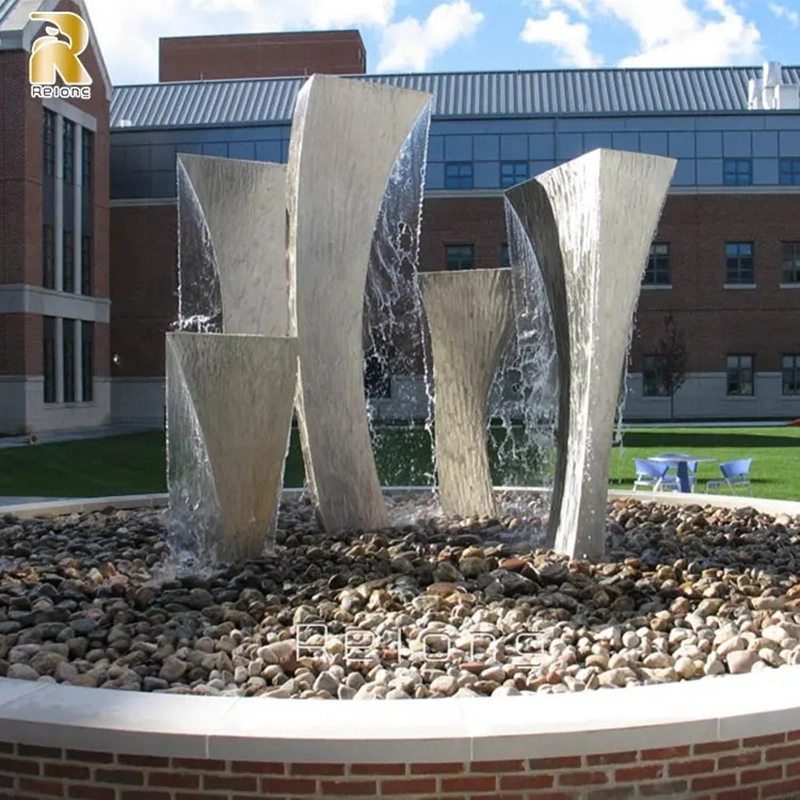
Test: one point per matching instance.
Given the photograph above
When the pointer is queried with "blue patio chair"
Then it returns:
(653, 476)
(734, 474)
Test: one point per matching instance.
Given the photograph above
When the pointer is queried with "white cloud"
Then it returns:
(673, 35)
(670, 33)
(129, 31)
(782, 12)
(580, 7)
(570, 39)
(410, 43)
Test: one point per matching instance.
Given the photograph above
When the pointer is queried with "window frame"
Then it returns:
(68, 354)
(737, 171)
(735, 278)
(789, 171)
(462, 177)
(655, 266)
(87, 361)
(652, 385)
(68, 134)
(734, 375)
(49, 361)
(48, 256)
(68, 259)
(450, 250)
(513, 177)
(49, 125)
(790, 263)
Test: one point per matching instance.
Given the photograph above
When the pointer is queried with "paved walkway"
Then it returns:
(71, 436)
(18, 501)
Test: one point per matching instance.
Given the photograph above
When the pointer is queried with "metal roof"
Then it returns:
(5, 8)
(467, 94)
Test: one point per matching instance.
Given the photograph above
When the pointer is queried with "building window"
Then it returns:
(49, 142)
(790, 265)
(87, 211)
(791, 374)
(87, 245)
(505, 255)
(740, 375)
(69, 151)
(69, 262)
(789, 171)
(49, 358)
(737, 172)
(652, 372)
(87, 158)
(68, 359)
(657, 271)
(458, 175)
(87, 362)
(512, 173)
(739, 263)
(48, 257)
(460, 256)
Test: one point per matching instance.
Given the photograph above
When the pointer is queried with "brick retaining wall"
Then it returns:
(742, 769)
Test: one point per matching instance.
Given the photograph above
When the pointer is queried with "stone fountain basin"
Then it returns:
(684, 739)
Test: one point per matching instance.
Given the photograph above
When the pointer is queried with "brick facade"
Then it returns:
(261, 55)
(144, 285)
(17, 253)
(20, 344)
(21, 234)
(21, 171)
(715, 321)
(757, 768)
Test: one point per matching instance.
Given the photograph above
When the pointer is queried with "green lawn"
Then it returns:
(135, 464)
(775, 453)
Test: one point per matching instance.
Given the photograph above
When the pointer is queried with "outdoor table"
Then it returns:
(681, 460)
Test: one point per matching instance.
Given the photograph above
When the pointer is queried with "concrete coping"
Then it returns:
(446, 730)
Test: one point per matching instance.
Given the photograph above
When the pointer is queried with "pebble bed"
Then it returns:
(432, 608)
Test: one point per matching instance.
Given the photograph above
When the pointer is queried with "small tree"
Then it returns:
(673, 356)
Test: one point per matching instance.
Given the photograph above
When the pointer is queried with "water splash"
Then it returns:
(525, 393)
(193, 505)
(394, 329)
(199, 295)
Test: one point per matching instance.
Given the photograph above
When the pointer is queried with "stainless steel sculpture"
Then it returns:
(591, 222)
(243, 204)
(229, 411)
(470, 321)
(230, 395)
(346, 135)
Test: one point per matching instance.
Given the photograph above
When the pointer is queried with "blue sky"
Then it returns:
(465, 35)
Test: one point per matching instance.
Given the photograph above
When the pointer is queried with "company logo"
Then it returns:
(525, 650)
(56, 53)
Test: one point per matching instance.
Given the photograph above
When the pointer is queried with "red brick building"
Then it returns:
(725, 260)
(267, 55)
(54, 265)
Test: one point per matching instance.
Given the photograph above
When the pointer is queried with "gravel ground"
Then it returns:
(430, 608)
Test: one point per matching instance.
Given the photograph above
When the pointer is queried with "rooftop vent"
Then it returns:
(125, 123)
(769, 93)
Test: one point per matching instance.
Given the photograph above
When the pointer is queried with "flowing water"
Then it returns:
(199, 295)
(395, 331)
(526, 386)
(523, 399)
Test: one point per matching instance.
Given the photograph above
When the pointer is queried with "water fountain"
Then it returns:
(225, 452)
(320, 212)
(445, 606)
(591, 222)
